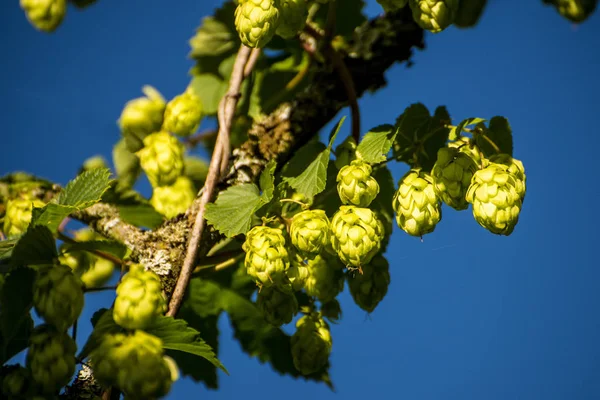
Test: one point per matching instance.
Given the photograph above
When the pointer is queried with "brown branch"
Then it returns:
(348, 82)
(97, 253)
(226, 112)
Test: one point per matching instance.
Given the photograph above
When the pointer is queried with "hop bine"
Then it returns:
(311, 344)
(278, 304)
(292, 17)
(309, 231)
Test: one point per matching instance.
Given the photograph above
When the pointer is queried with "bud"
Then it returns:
(173, 200)
(324, 281)
(141, 117)
(45, 15)
(452, 175)
(311, 344)
(356, 186)
(18, 215)
(267, 258)
(183, 114)
(278, 304)
(370, 287)
(162, 158)
(309, 231)
(256, 21)
(292, 17)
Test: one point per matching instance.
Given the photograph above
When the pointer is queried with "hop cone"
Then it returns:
(370, 287)
(452, 175)
(392, 5)
(183, 114)
(51, 358)
(134, 363)
(292, 17)
(356, 186)
(278, 304)
(575, 10)
(44, 15)
(356, 235)
(311, 344)
(141, 117)
(297, 273)
(139, 299)
(495, 199)
(173, 200)
(162, 158)
(324, 281)
(15, 382)
(515, 168)
(58, 296)
(345, 153)
(18, 215)
(468, 13)
(267, 258)
(464, 145)
(418, 210)
(256, 21)
(434, 15)
(309, 231)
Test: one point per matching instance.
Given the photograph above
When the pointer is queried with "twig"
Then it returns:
(99, 289)
(346, 78)
(226, 112)
(194, 140)
(97, 253)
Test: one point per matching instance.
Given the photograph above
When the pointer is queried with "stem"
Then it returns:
(346, 78)
(226, 112)
(74, 331)
(208, 262)
(193, 141)
(99, 289)
(98, 253)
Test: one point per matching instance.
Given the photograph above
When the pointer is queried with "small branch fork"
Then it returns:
(244, 62)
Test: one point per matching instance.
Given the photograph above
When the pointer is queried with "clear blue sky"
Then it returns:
(469, 315)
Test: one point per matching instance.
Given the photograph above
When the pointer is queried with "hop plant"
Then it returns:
(418, 209)
(345, 153)
(311, 344)
(278, 304)
(256, 21)
(134, 363)
(183, 114)
(356, 235)
(392, 5)
(324, 281)
(51, 358)
(356, 186)
(370, 287)
(15, 382)
(45, 15)
(18, 215)
(434, 15)
(141, 117)
(309, 231)
(515, 168)
(292, 17)
(465, 145)
(162, 158)
(495, 198)
(58, 296)
(297, 273)
(452, 175)
(139, 299)
(468, 12)
(175, 199)
(267, 258)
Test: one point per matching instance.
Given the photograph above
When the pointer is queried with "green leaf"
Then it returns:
(51, 215)
(231, 214)
(104, 324)
(86, 189)
(196, 169)
(202, 298)
(267, 182)
(16, 300)
(349, 13)
(36, 246)
(212, 39)
(127, 164)
(20, 340)
(210, 88)
(177, 335)
(376, 144)
(497, 138)
(7, 247)
(435, 138)
(141, 215)
(456, 131)
(111, 247)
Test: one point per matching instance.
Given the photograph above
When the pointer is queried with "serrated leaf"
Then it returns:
(51, 215)
(376, 144)
(177, 335)
(126, 163)
(111, 247)
(19, 342)
(36, 246)
(456, 131)
(104, 325)
(141, 215)
(86, 189)
(497, 138)
(231, 214)
(267, 182)
(16, 300)
(212, 39)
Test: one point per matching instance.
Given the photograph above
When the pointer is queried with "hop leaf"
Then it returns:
(18, 215)
(162, 158)
(267, 258)
(141, 117)
(324, 280)
(278, 304)
(256, 21)
(139, 299)
(293, 14)
(58, 296)
(309, 231)
(311, 344)
(418, 209)
(452, 175)
(183, 114)
(392, 5)
(434, 15)
(173, 200)
(356, 186)
(51, 358)
(45, 15)
(370, 287)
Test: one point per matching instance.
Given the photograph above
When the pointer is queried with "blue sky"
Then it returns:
(469, 315)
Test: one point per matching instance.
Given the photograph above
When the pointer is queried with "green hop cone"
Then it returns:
(256, 21)
(58, 296)
(267, 258)
(574, 10)
(495, 199)
(469, 12)
(141, 117)
(292, 17)
(309, 231)
(162, 158)
(175, 199)
(418, 209)
(356, 235)
(140, 299)
(51, 358)
(45, 15)
(18, 215)
(392, 5)
(278, 304)
(311, 344)
(15, 382)
(516, 169)
(345, 153)
(183, 114)
(134, 363)
(297, 273)
(466, 145)
(324, 281)
(355, 185)
(434, 15)
(370, 287)
(452, 175)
